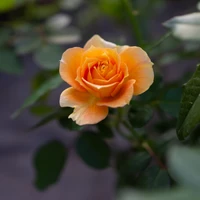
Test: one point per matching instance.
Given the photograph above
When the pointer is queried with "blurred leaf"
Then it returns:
(105, 130)
(62, 112)
(5, 34)
(69, 35)
(9, 62)
(184, 165)
(48, 85)
(190, 94)
(175, 194)
(132, 166)
(70, 4)
(41, 109)
(67, 123)
(27, 44)
(58, 22)
(153, 178)
(170, 102)
(93, 150)
(43, 11)
(48, 56)
(49, 162)
(140, 116)
(6, 5)
(185, 27)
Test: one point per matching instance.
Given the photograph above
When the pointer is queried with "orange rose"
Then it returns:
(102, 75)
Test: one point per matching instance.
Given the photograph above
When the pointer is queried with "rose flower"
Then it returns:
(102, 75)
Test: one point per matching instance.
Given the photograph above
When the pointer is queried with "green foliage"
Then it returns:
(48, 85)
(184, 165)
(188, 114)
(93, 150)
(49, 161)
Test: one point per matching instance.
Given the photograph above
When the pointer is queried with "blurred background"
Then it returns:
(33, 36)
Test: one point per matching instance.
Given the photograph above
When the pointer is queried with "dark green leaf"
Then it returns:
(140, 116)
(153, 178)
(9, 62)
(105, 131)
(5, 34)
(62, 112)
(27, 44)
(48, 56)
(49, 162)
(170, 102)
(93, 150)
(184, 166)
(67, 123)
(190, 94)
(48, 85)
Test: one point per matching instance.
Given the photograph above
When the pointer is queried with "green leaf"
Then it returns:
(5, 34)
(170, 102)
(27, 44)
(9, 62)
(184, 166)
(62, 112)
(48, 56)
(48, 85)
(130, 167)
(67, 123)
(6, 5)
(93, 150)
(49, 161)
(154, 178)
(190, 94)
(105, 130)
(175, 194)
(140, 116)
(69, 35)
(41, 109)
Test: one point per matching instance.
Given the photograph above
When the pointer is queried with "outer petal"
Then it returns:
(139, 67)
(97, 41)
(73, 98)
(122, 98)
(89, 114)
(69, 64)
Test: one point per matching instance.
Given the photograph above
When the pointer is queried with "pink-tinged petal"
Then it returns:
(97, 41)
(69, 64)
(121, 99)
(73, 98)
(89, 114)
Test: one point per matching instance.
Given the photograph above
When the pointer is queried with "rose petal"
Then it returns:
(73, 98)
(69, 64)
(89, 114)
(121, 99)
(97, 41)
(99, 90)
(144, 77)
(139, 67)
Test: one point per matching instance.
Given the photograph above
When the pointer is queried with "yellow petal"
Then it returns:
(89, 114)
(69, 64)
(97, 41)
(122, 98)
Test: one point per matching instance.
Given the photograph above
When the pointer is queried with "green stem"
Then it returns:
(134, 22)
(157, 43)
